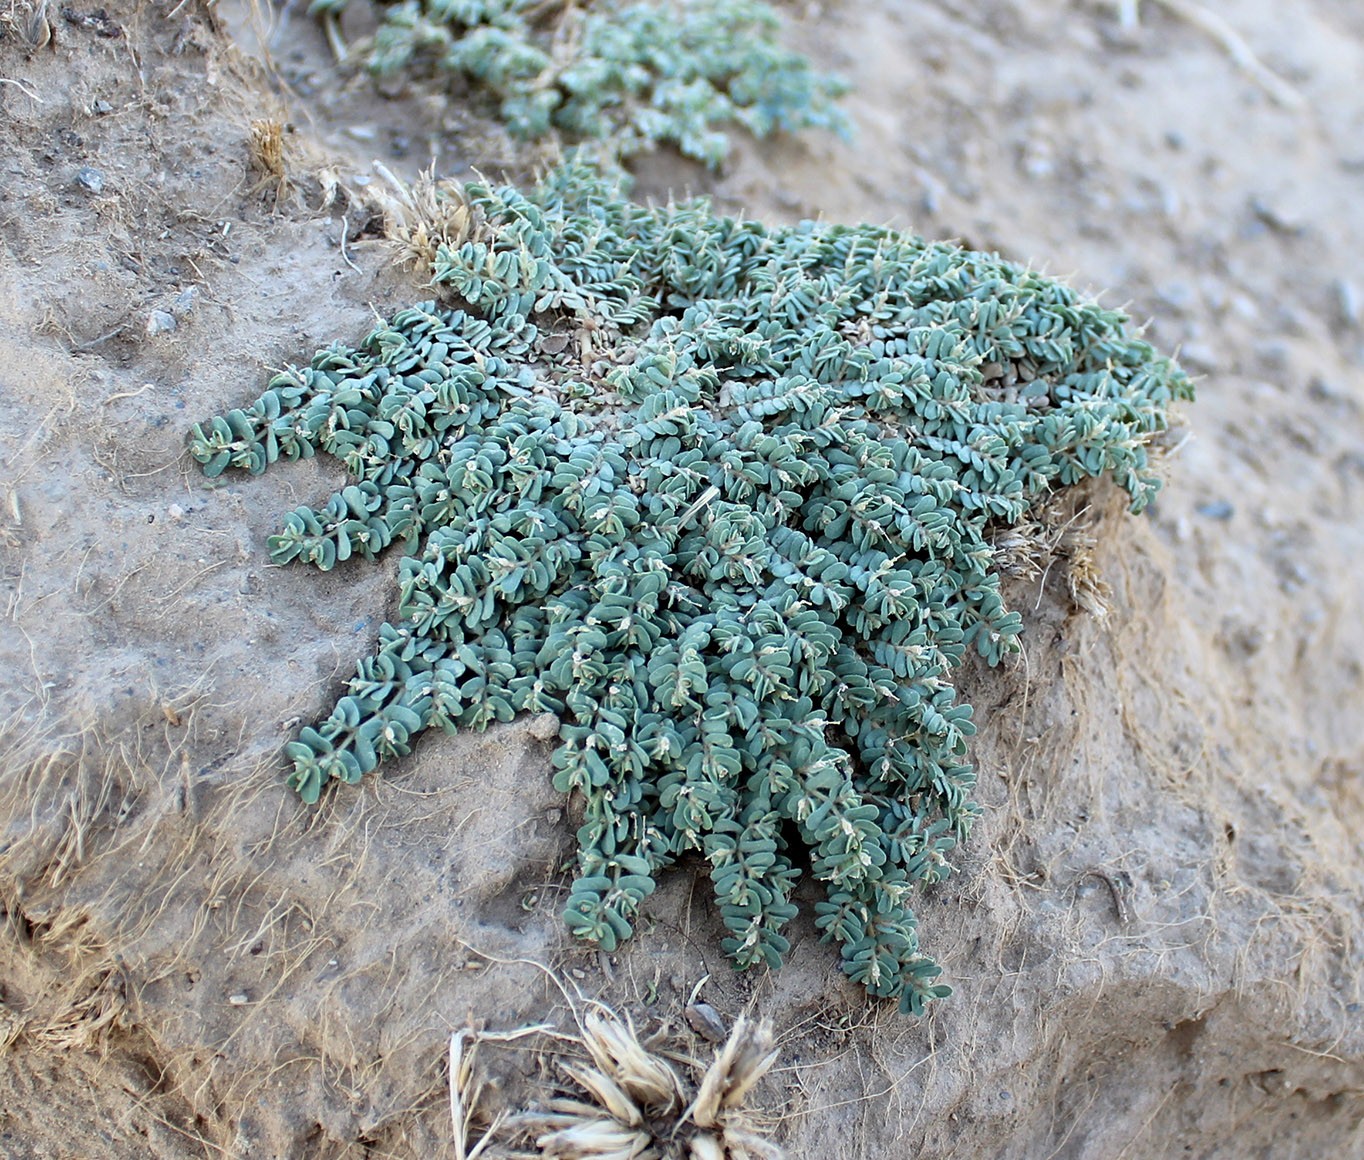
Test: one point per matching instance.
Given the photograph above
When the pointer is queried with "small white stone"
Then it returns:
(1348, 302)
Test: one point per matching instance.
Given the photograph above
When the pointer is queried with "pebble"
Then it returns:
(1275, 355)
(1218, 509)
(90, 179)
(1290, 320)
(706, 1022)
(184, 301)
(160, 322)
(1326, 391)
(544, 727)
(1214, 293)
(1295, 577)
(1278, 219)
(239, 1000)
(1178, 296)
(928, 200)
(1347, 302)
(1198, 357)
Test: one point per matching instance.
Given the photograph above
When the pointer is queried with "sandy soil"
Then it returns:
(1155, 931)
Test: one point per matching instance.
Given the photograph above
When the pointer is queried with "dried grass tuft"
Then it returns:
(266, 147)
(1064, 532)
(423, 216)
(634, 1104)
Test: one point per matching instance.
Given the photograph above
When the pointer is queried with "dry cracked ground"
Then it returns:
(1153, 932)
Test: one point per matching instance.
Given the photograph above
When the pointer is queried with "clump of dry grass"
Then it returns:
(420, 217)
(630, 1101)
(640, 1107)
(266, 147)
(1064, 531)
(423, 216)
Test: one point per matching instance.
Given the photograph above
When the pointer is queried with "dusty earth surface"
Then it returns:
(1155, 930)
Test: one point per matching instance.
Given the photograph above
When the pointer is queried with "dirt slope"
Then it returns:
(1154, 931)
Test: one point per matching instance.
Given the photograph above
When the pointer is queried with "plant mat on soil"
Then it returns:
(720, 498)
(1198, 750)
(613, 77)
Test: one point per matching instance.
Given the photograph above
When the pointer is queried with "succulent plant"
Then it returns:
(623, 76)
(720, 496)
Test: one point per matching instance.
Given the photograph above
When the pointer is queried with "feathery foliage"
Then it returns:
(718, 496)
(624, 76)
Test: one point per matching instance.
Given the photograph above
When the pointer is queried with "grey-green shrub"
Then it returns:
(736, 546)
(621, 76)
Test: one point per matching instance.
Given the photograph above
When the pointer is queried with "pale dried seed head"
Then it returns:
(705, 1147)
(743, 1145)
(462, 1098)
(37, 29)
(609, 1094)
(750, 1070)
(595, 1140)
(565, 1109)
(616, 1051)
(742, 1062)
